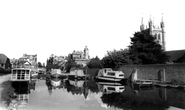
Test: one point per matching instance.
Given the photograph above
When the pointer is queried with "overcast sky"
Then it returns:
(46, 27)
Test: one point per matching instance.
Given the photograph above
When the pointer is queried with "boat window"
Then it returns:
(27, 71)
(14, 71)
(111, 88)
(111, 73)
(19, 71)
(23, 71)
(121, 75)
(122, 88)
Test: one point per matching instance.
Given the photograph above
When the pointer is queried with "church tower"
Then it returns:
(157, 31)
(86, 53)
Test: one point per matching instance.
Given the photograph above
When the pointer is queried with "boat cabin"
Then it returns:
(108, 72)
(21, 74)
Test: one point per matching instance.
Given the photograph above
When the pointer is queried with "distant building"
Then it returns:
(28, 60)
(158, 32)
(59, 60)
(81, 57)
(4, 62)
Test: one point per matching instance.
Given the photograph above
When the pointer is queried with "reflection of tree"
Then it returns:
(128, 101)
(92, 86)
(7, 92)
(48, 84)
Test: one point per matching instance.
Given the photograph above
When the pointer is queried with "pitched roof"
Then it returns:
(175, 54)
(3, 58)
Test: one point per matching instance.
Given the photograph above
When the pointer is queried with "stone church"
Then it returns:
(158, 31)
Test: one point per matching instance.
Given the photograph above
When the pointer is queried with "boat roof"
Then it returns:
(21, 69)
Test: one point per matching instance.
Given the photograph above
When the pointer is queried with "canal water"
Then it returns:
(64, 94)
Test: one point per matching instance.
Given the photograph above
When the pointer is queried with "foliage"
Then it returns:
(95, 63)
(39, 64)
(145, 50)
(115, 59)
(50, 64)
(70, 63)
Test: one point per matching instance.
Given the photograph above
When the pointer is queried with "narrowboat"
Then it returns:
(107, 74)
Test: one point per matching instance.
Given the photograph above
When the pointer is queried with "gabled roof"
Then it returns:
(3, 58)
(176, 55)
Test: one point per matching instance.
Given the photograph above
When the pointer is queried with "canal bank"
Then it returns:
(162, 72)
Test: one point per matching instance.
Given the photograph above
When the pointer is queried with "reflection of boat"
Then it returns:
(20, 97)
(110, 87)
(108, 74)
(78, 83)
(55, 82)
(76, 74)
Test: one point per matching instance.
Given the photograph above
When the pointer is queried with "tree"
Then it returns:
(116, 58)
(95, 63)
(39, 64)
(145, 50)
(50, 63)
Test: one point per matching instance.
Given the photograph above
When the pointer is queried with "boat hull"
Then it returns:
(109, 79)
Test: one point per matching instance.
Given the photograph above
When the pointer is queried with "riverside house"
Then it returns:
(4, 62)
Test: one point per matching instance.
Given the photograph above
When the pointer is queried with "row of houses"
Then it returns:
(26, 60)
(176, 56)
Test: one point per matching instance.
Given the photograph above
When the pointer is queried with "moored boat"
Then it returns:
(21, 74)
(107, 74)
(76, 74)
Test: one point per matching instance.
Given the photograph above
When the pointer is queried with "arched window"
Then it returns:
(155, 36)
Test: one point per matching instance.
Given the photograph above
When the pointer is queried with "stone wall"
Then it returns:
(171, 71)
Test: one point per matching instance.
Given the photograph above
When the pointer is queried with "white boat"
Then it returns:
(21, 74)
(108, 74)
(76, 74)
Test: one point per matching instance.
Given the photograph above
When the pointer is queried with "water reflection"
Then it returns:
(109, 95)
(17, 93)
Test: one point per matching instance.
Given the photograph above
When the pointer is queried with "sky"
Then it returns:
(58, 27)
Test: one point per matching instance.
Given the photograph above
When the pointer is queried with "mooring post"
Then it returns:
(162, 75)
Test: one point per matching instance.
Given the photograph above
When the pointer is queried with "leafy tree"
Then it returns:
(115, 59)
(145, 50)
(70, 63)
(39, 64)
(95, 63)
(50, 64)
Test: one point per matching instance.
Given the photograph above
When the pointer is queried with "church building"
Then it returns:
(157, 31)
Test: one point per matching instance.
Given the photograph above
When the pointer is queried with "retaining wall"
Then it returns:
(171, 71)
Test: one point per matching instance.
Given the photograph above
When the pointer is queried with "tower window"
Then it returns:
(159, 36)
(155, 36)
